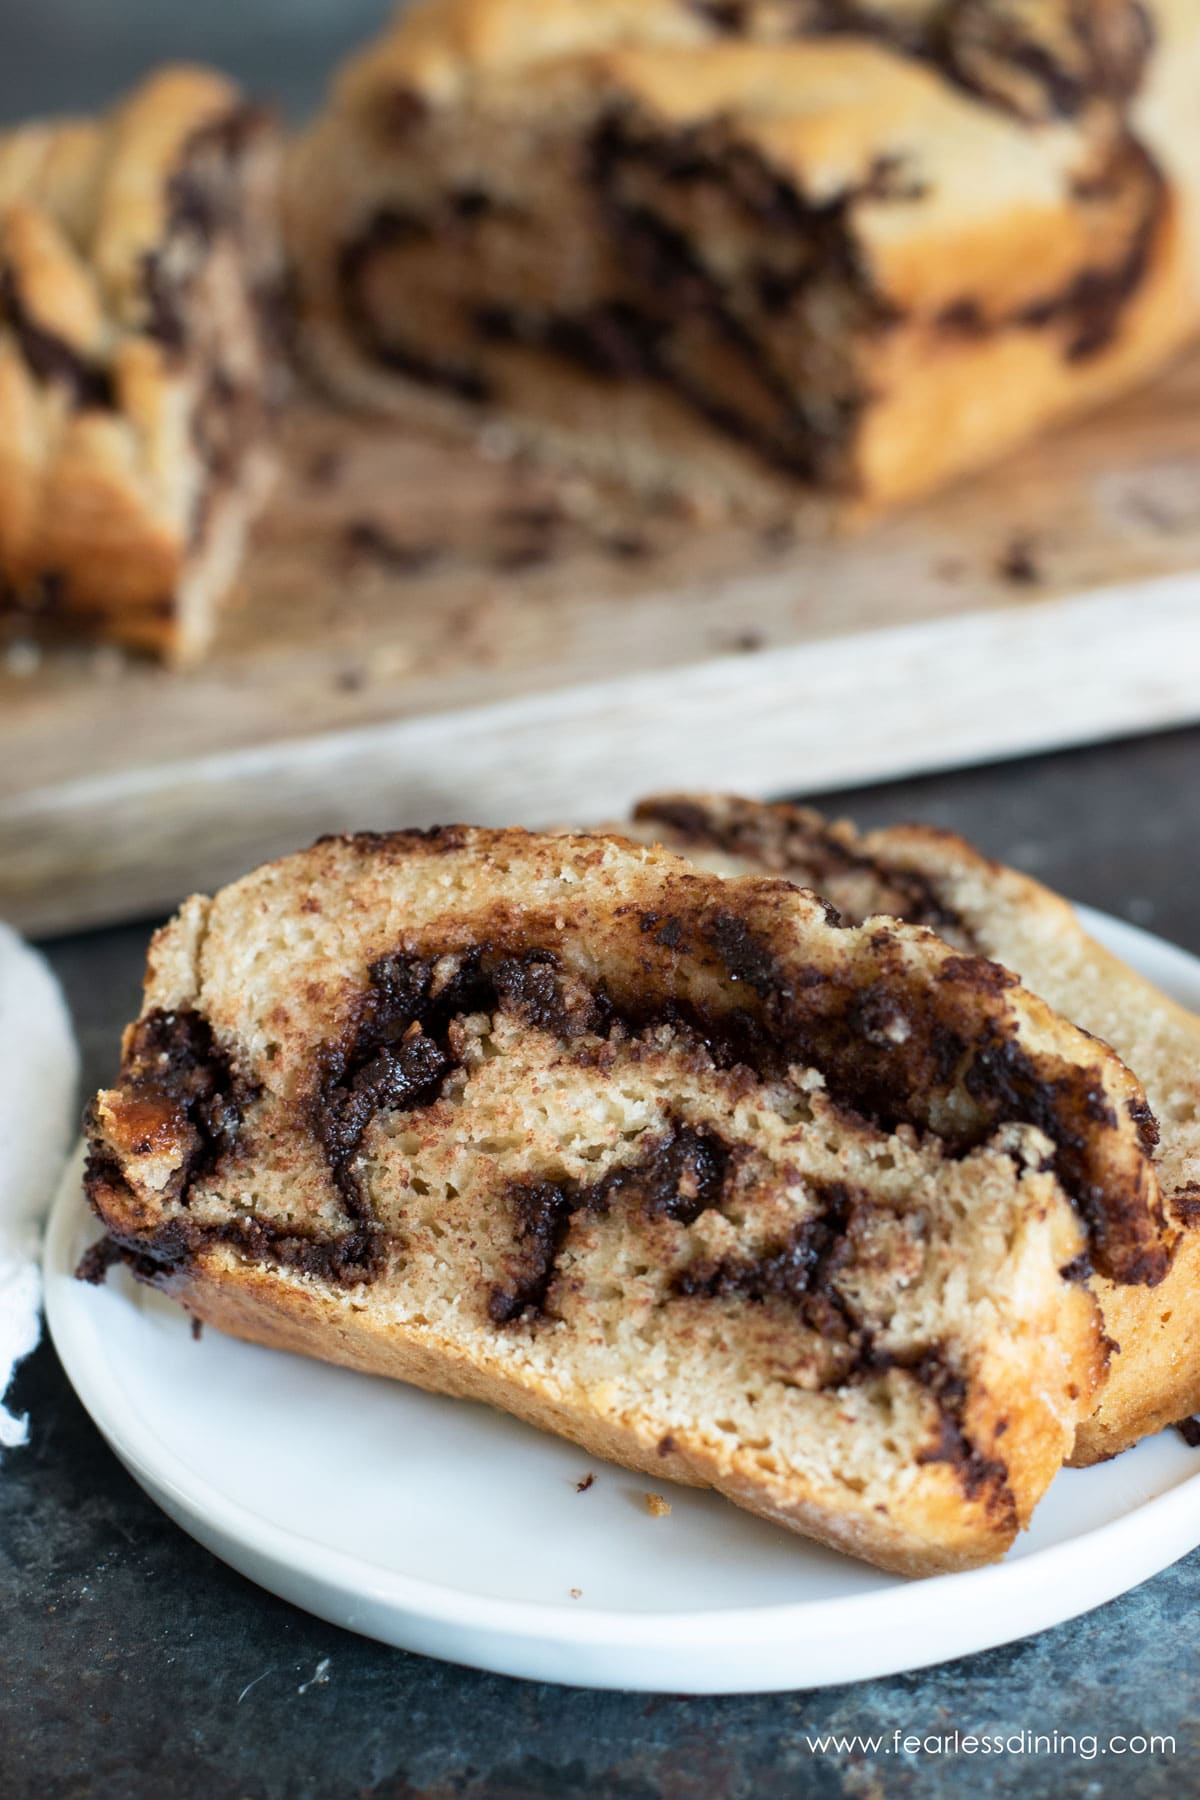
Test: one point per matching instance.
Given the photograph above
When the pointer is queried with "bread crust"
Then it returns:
(1154, 1378)
(933, 1530)
(998, 216)
(127, 322)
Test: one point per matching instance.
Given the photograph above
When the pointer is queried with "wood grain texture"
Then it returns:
(429, 631)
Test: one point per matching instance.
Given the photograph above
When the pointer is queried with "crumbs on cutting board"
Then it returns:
(368, 540)
(1018, 563)
(657, 1507)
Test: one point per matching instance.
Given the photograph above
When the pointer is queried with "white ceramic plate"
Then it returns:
(450, 1529)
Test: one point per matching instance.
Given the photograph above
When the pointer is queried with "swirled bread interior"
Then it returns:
(140, 278)
(793, 254)
(683, 1168)
(934, 878)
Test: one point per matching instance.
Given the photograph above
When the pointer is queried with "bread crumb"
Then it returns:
(575, 1593)
(656, 1506)
(1018, 563)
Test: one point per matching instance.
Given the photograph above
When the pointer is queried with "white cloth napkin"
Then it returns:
(39, 1074)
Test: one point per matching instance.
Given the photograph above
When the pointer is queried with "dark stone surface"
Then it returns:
(72, 55)
(133, 1663)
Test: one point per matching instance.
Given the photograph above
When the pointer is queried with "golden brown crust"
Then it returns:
(135, 254)
(997, 245)
(526, 1118)
(930, 1530)
(939, 879)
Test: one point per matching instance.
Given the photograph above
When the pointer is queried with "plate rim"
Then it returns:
(1013, 1594)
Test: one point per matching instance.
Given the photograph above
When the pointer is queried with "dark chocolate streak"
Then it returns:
(1089, 307)
(625, 340)
(676, 1177)
(1087, 52)
(847, 1031)
(1186, 1202)
(180, 1080)
(398, 1053)
(196, 201)
(805, 850)
(389, 229)
(50, 357)
(174, 1065)
(802, 1274)
(802, 1271)
(636, 337)
(399, 1048)
(162, 1256)
(979, 1474)
(200, 205)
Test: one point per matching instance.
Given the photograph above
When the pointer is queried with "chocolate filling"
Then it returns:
(805, 849)
(161, 1257)
(798, 427)
(781, 422)
(801, 1274)
(1090, 306)
(391, 228)
(398, 1051)
(620, 339)
(890, 1052)
(990, 48)
(1186, 1202)
(177, 1081)
(50, 357)
(176, 1077)
(978, 1474)
(885, 1056)
(202, 203)
(200, 193)
(678, 1177)
(889, 1059)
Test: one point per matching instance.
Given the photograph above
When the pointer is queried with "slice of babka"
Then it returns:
(140, 275)
(933, 878)
(788, 252)
(685, 1169)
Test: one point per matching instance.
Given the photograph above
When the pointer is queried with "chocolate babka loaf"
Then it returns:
(762, 248)
(933, 878)
(683, 1168)
(139, 269)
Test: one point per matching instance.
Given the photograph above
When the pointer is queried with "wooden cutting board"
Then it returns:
(429, 631)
